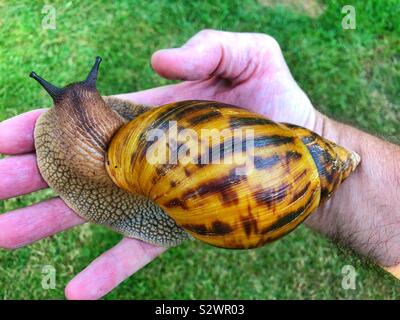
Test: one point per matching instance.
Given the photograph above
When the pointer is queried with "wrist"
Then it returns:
(363, 211)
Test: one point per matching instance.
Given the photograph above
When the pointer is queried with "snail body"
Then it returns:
(94, 152)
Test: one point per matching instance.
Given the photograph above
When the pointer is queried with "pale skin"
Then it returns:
(242, 69)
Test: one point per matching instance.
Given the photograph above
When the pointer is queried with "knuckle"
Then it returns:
(269, 42)
(208, 32)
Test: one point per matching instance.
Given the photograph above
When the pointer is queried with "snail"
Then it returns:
(93, 151)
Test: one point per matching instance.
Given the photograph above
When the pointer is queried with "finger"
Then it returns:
(19, 175)
(210, 52)
(16, 134)
(111, 268)
(166, 94)
(155, 96)
(24, 226)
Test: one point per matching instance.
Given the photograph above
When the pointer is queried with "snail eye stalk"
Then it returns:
(56, 93)
(52, 90)
(92, 76)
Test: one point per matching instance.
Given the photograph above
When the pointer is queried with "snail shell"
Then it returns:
(293, 171)
(93, 151)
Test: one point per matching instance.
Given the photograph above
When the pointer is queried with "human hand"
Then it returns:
(238, 68)
(243, 69)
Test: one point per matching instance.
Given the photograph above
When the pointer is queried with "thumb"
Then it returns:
(183, 64)
(190, 62)
(208, 53)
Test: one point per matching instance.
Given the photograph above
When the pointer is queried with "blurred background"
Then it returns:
(350, 74)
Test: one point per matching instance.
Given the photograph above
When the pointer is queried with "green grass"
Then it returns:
(352, 75)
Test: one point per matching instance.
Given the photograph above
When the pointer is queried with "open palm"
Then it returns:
(243, 69)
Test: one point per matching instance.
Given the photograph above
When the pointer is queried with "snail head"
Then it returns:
(84, 121)
(82, 88)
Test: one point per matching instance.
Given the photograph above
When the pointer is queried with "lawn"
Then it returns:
(351, 75)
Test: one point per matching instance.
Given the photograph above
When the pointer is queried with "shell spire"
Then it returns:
(334, 163)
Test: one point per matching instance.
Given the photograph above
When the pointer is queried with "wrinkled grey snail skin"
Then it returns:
(71, 141)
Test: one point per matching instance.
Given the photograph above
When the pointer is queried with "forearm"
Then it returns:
(365, 211)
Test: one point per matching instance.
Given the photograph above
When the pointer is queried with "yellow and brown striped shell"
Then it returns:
(293, 171)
